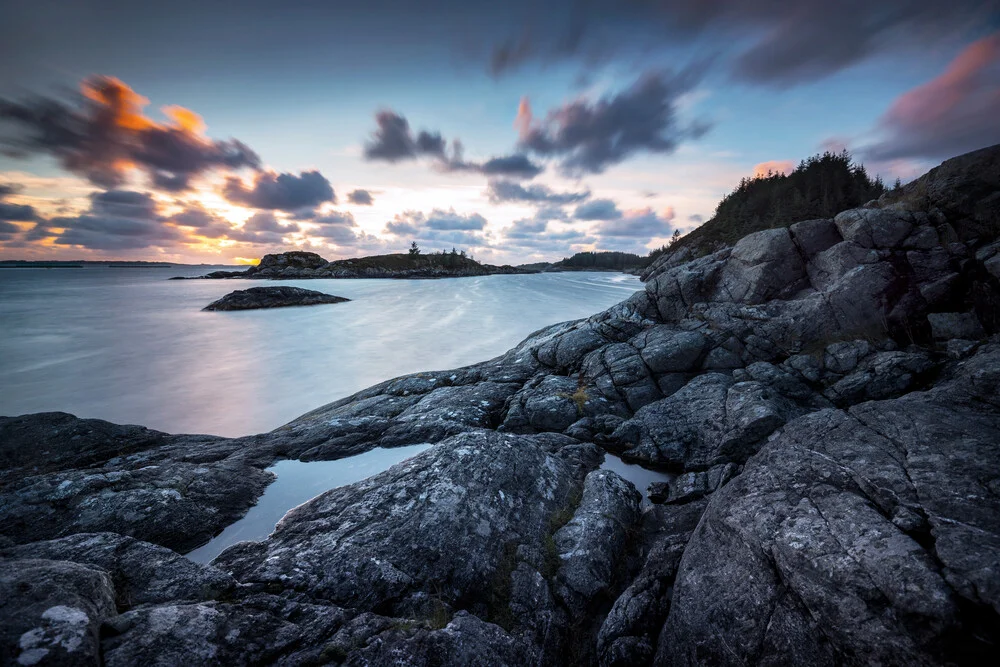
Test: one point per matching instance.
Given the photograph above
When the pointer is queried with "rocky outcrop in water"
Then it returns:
(272, 297)
(827, 394)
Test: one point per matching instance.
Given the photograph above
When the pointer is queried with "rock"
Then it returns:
(874, 228)
(658, 492)
(554, 403)
(592, 544)
(955, 325)
(844, 357)
(142, 573)
(272, 297)
(762, 266)
(814, 236)
(629, 634)
(52, 611)
(804, 529)
(444, 520)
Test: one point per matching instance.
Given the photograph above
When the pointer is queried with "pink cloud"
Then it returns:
(953, 113)
(773, 166)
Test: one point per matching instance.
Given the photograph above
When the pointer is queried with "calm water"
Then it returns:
(297, 482)
(129, 346)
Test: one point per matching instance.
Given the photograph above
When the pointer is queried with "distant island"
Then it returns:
(298, 265)
(81, 263)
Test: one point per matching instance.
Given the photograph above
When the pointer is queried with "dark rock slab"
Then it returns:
(272, 297)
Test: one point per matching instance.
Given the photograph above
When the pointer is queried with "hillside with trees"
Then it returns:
(820, 187)
(601, 261)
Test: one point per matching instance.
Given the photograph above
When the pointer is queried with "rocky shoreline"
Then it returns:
(826, 392)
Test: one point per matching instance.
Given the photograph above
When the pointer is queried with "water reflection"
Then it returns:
(298, 482)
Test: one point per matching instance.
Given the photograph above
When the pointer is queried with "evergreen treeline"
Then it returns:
(819, 187)
(618, 261)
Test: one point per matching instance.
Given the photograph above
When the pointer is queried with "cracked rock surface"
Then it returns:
(827, 394)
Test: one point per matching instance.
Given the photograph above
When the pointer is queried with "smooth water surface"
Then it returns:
(130, 346)
(296, 483)
(639, 476)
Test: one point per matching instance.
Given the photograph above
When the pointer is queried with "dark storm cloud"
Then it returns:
(105, 133)
(771, 43)
(393, 140)
(116, 220)
(509, 191)
(954, 113)
(361, 198)
(598, 209)
(589, 137)
(284, 192)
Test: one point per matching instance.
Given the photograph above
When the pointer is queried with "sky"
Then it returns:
(216, 132)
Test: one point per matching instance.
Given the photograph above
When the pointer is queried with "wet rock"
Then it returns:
(52, 611)
(272, 297)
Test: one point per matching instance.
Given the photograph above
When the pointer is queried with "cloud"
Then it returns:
(535, 235)
(116, 220)
(106, 135)
(695, 218)
(953, 113)
(768, 43)
(14, 212)
(506, 191)
(336, 226)
(440, 226)
(202, 223)
(637, 224)
(598, 209)
(511, 165)
(282, 192)
(762, 169)
(590, 137)
(393, 140)
(361, 197)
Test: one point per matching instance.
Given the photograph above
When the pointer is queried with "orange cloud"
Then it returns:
(109, 135)
(773, 167)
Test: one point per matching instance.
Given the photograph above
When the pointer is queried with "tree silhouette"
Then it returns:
(414, 249)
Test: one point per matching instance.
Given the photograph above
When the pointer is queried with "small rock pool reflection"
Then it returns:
(298, 482)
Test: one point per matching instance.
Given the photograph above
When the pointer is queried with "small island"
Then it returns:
(272, 297)
(299, 265)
